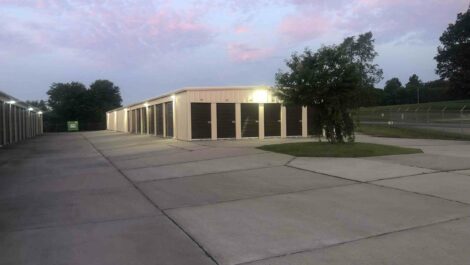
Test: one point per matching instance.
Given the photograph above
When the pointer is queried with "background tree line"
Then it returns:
(75, 102)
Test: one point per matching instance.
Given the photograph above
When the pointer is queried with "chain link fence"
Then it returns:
(451, 120)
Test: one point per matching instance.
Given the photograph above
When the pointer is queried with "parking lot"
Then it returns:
(112, 198)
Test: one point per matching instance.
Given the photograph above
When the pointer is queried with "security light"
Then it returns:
(146, 104)
(11, 102)
(260, 96)
(39, 112)
(30, 109)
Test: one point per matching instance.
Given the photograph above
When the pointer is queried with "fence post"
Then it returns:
(416, 115)
(427, 115)
(461, 120)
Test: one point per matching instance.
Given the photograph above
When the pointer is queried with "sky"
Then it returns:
(150, 47)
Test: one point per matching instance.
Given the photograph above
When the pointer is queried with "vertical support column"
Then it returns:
(154, 119)
(2, 112)
(164, 119)
(147, 120)
(304, 122)
(13, 123)
(238, 121)
(261, 121)
(188, 120)
(214, 121)
(142, 120)
(283, 122)
(173, 105)
(115, 121)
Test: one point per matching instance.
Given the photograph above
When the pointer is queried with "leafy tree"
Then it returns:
(391, 91)
(68, 101)
(73, 101)
(330, 80)
(413, 88)
(453, 56)
(103, 96)
(40, 104)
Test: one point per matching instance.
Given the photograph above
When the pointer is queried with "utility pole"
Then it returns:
(418, 93)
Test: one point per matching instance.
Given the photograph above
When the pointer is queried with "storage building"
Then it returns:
(213, 113)
(18, 120)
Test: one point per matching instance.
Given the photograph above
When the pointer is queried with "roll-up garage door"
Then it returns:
(313, 121)
(139, 121)
(249, 119)
(272, 119)
(169, 119)
(225, 120)
(159, 114)
(201, 120)
(152, 120)
(294, 120)
(144, 120)
(129, 121)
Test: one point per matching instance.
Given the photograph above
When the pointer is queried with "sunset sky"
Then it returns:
(150, 47)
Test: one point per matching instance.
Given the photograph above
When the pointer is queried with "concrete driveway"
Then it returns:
(109, 198)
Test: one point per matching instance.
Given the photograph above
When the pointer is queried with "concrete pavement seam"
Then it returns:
(359, 239)
(199, 160)
(154, 204)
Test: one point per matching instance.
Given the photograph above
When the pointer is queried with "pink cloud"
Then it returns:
(388, 19)
(118, 29)
(241, 29)
(243, 53)
(304, 27)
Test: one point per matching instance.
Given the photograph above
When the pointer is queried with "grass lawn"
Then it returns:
(324, 149)
(415, 133)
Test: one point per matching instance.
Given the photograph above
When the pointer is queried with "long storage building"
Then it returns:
(213, 113)
(18, 120)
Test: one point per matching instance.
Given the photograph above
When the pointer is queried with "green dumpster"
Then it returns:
(72, 126)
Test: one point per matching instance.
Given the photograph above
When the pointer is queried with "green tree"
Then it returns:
(413, 89)
(453, 56)
(391, 90)
(330, 80)
(103, 96)
(73, 101)
(68, 101)
(40, 104)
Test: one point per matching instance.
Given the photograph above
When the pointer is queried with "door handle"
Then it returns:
(257, 121)
(233, 121)
(209, 122)
(278, 120)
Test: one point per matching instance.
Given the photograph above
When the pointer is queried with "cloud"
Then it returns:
(305, 26)
(388, 19)
(104, 30)
(239, 52)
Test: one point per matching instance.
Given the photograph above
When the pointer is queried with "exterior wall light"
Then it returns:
(11, 102)
(146, 104)
(30, 109)
(39, 112)
(260, 96)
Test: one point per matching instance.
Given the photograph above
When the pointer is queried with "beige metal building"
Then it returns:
(213, 113)
(18, 121)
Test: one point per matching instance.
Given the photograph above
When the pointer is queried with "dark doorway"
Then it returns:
(313, 121)
(169, 119)
(201, 121)
(159, 116)
(225, 120)
(144, 120)
(294, 120)
(249, 119)
(272, 119)
(152, 120)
